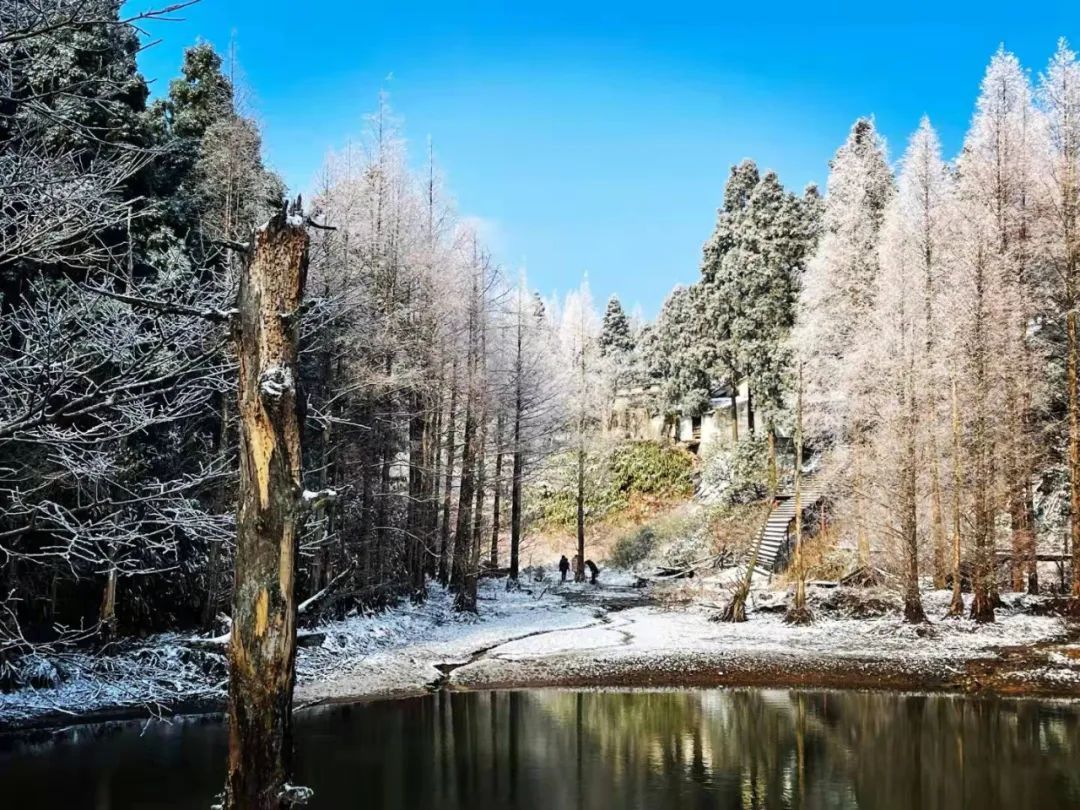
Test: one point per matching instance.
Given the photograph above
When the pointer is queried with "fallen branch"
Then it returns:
(315, 598)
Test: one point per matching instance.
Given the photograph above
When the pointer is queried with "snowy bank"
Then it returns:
(684, 646)
(580, 635)
(398, 651)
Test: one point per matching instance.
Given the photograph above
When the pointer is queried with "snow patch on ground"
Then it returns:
(653, 640)
(398, 652)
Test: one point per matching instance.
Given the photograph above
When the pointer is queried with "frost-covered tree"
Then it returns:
(616, 337)
(904, 369)
(1059, 100)
(109, 476)
(993, 296)
(579, 339)
(533, 399)
(837, 301)
(678, 356)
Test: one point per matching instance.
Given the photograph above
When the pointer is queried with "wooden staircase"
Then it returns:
(774, 540)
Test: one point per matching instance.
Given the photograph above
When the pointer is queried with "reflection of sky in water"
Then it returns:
(556, 749)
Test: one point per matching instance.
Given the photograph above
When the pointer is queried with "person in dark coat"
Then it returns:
(594, 572)
(564, 567)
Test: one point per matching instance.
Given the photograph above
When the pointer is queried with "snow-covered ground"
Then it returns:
(682, 645)
(567, 634)
(400, 651)
(389, 652)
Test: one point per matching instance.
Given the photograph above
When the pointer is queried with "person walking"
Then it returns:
(564, 567)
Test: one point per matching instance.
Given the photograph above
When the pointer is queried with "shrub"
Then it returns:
(612, 479)
(648, 468)
(736, 475)
(633, 548)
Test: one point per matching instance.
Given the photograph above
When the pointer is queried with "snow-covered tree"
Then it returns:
(905, 378)
(1059, 100)
(579, 338)
(993, 299)
(837, 301)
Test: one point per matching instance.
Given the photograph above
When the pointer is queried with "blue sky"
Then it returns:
(596, 138)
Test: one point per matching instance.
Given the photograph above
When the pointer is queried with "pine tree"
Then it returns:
(616, 337)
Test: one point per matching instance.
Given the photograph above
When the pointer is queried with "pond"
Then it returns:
(555, 749)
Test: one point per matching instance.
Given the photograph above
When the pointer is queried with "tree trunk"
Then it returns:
(798, 613)
(431, 563)
(749, 412)
(774, 473)
(213, 563)
(579, 572)
(734, 410)
(515, 505)
(913, 609)
(982, 603)
(108, 606)
(956, 606)
(262, 650)
(448, 484)
(937, 518)
(418, 466)
(1073, 541)
(463, 532)
(497, 494)
(519, 458)
(481, 487)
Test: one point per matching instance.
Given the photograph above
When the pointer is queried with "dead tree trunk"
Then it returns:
(262, 650)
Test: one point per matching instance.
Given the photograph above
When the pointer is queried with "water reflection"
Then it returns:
(558, 749)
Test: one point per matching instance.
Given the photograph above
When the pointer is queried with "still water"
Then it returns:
(548, 750)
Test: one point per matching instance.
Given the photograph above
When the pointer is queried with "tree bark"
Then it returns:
(262, 649)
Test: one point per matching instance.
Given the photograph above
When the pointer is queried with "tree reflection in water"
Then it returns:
(590, 750)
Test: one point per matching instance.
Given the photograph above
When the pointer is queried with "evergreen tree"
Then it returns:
(616, 337)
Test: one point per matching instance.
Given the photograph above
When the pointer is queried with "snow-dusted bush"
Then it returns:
(734, 475)
(631, 549)
(613, 478)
